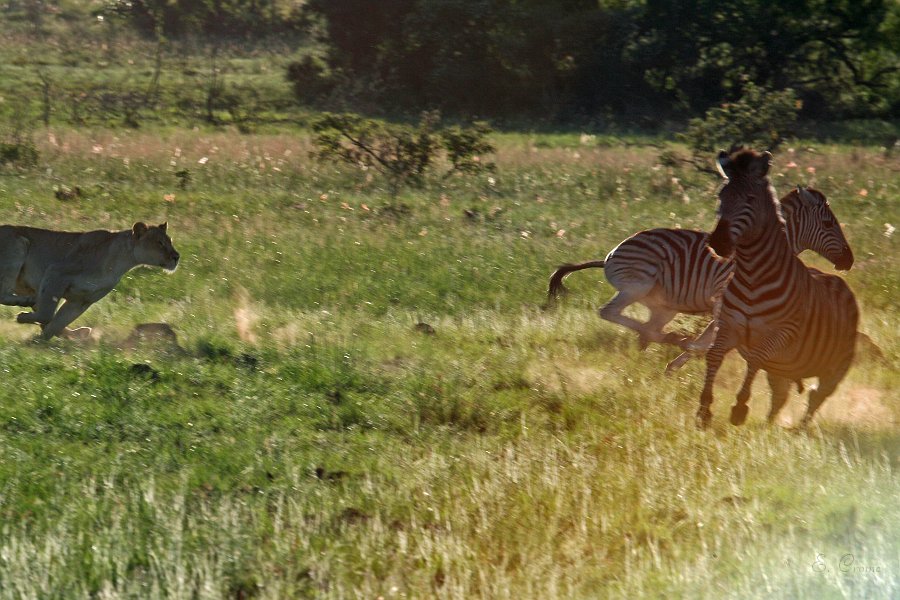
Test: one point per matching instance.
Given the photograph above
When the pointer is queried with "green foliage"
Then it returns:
(568, 58)
(834, 54)
(760, 119)
(18, 153)
(621, 65)
(206, 17)
(310, 79)
(465, 147)
(402, 153)
(184, 178)
(488, 57)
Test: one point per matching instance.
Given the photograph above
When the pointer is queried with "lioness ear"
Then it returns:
(139, 229)
(163, 226)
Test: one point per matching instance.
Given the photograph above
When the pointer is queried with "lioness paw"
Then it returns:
(79, 333)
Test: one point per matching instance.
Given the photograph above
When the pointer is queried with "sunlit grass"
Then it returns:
(311, 441)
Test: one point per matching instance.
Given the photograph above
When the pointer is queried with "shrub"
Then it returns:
(759, 118)
(402, 153)
(18, 153)
(310, 79)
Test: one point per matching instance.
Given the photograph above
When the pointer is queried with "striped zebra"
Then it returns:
(783, 317)
(673, 271)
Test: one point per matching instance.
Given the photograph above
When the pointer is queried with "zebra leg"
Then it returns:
(703, 341)
(817, 395)
(739, 411)
(660, 316)
(678, 361)
(726, 340)
(697, 346)
(612, 311)
(780, 388)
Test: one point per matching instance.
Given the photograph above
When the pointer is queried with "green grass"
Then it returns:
(311, 442)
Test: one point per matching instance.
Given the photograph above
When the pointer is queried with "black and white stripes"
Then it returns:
(673, 270)
(784, 318)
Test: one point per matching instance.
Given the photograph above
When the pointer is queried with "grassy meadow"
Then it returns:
(309, 440)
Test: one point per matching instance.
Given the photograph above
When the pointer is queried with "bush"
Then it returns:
(402, 153)
(760, 118)
(18, 153)
(310, 79)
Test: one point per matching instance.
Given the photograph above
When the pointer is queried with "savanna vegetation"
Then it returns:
(366, 398)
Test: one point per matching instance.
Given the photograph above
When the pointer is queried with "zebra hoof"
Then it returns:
(704, 416)
(739, 414)
(677, 363)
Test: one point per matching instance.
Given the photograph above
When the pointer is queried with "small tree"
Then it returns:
(759, 118)
(403, 154)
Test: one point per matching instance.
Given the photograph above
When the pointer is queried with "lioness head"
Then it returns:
(153, 246)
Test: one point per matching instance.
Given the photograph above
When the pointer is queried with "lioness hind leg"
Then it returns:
(12, 257)
(67, 313)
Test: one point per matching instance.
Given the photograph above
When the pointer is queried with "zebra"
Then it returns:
(783, 317)
(673, 270)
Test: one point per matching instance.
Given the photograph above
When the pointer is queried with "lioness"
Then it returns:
(39, 267)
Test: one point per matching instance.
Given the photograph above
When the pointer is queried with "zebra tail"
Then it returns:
(556, 290)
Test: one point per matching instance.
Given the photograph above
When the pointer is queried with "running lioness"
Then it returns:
(39, 267)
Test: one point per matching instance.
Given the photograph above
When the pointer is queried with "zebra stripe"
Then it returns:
(784, 318)
(673, 270)
(679, 261)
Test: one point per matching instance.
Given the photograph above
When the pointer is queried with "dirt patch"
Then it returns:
(859, 406)
(559, 377)
(245, 317)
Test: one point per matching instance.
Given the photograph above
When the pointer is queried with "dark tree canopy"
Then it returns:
(560, 58)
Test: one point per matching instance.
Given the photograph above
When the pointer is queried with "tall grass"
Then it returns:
(311, 441)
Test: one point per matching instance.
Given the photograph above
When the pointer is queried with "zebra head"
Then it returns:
(746, 201)
(812, 226)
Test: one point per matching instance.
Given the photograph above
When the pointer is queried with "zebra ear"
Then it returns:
(723, 161)
(763, 163)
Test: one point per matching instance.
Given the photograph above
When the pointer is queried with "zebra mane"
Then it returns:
(779, 213)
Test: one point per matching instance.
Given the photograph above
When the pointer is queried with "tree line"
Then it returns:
(555, 60)
(571, 58)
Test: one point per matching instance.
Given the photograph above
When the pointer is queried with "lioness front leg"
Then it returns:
(67, 313)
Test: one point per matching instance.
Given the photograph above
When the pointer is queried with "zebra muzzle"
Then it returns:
(845, 261)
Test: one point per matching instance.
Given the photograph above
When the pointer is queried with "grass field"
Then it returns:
(311, 441)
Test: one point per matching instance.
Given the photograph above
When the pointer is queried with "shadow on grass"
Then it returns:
(882, 445)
